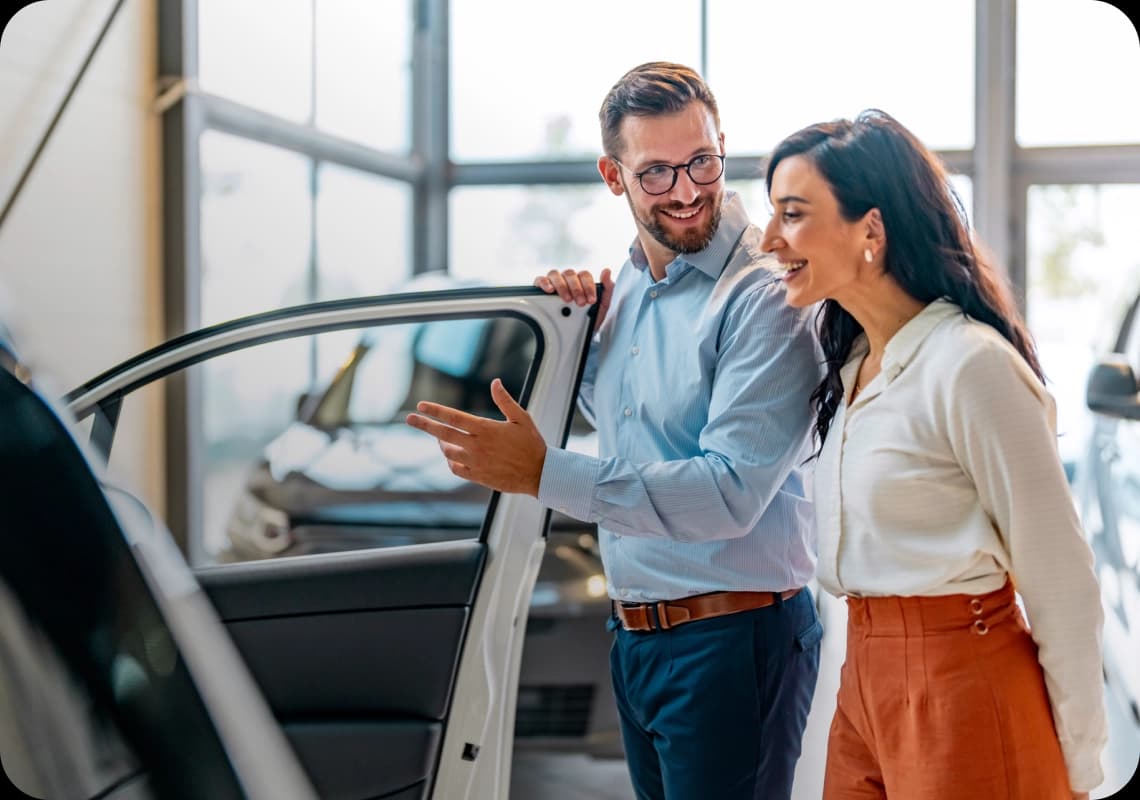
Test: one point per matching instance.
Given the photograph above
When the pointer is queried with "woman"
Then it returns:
(937, 489)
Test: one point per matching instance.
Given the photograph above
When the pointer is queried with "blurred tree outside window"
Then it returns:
(1083, 259)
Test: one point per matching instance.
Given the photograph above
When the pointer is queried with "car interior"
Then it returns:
(453, 361)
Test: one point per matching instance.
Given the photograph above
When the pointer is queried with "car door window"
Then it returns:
(303, 447)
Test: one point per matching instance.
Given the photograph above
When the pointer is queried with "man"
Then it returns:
(698, 381)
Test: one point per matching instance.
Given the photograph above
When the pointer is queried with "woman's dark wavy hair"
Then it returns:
(875, 162)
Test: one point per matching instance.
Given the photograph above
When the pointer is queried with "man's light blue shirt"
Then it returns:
(699, 386)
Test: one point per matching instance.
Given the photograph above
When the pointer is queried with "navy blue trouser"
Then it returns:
(715, 709)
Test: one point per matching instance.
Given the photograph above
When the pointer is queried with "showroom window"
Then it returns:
(362, 224)
(286, 222)
(527, 81)
(269, 67)
(256, 227)
(1083, 269)
(354, 144)
(507, 234)
(777, 67)
(1071, 57)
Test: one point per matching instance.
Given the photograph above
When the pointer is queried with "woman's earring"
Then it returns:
(867, 256)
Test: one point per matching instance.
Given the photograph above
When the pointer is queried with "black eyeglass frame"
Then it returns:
(688, 167)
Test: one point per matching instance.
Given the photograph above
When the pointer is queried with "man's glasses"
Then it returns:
(660, 178)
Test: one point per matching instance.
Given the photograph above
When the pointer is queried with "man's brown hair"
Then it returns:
(649, 90)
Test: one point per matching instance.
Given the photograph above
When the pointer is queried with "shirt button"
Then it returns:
(635, 350)
(653, 293)
(628, 412)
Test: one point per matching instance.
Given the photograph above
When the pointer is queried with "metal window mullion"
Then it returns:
(1019, 242)
(430, 135)
(312, 268)
(181, 127)
(994, 145)
(1080, 164)
(704, 38)
(234, 118)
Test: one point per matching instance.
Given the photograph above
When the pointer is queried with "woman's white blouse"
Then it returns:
(942, 477)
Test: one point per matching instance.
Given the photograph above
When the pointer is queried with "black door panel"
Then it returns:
(357, 759)
(385, 664)
(437, 574)
(356, 655)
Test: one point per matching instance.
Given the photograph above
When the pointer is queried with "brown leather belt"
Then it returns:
(666, 614)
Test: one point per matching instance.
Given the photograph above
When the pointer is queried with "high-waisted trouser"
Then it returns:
(942, 698)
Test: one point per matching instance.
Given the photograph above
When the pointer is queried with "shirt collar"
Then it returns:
(711, 261)
(901, 348)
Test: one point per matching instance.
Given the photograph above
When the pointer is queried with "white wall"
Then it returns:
(80, 253)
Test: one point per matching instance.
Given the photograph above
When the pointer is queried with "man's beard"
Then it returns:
(691, 241)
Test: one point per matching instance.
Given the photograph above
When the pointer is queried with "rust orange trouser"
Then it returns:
(942, 698)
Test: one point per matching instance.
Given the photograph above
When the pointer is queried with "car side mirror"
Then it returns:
(1112, 389)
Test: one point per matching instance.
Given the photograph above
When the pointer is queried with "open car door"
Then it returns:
(393, 667)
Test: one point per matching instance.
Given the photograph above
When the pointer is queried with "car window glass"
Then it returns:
(302, 447)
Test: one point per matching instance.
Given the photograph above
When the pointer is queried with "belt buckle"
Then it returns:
(642, 624)
(653, 616)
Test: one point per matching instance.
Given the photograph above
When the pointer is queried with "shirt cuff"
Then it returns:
(567, 482)
(1085, 771)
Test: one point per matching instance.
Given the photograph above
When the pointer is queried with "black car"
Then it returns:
(117, 679)
(1107, 487)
